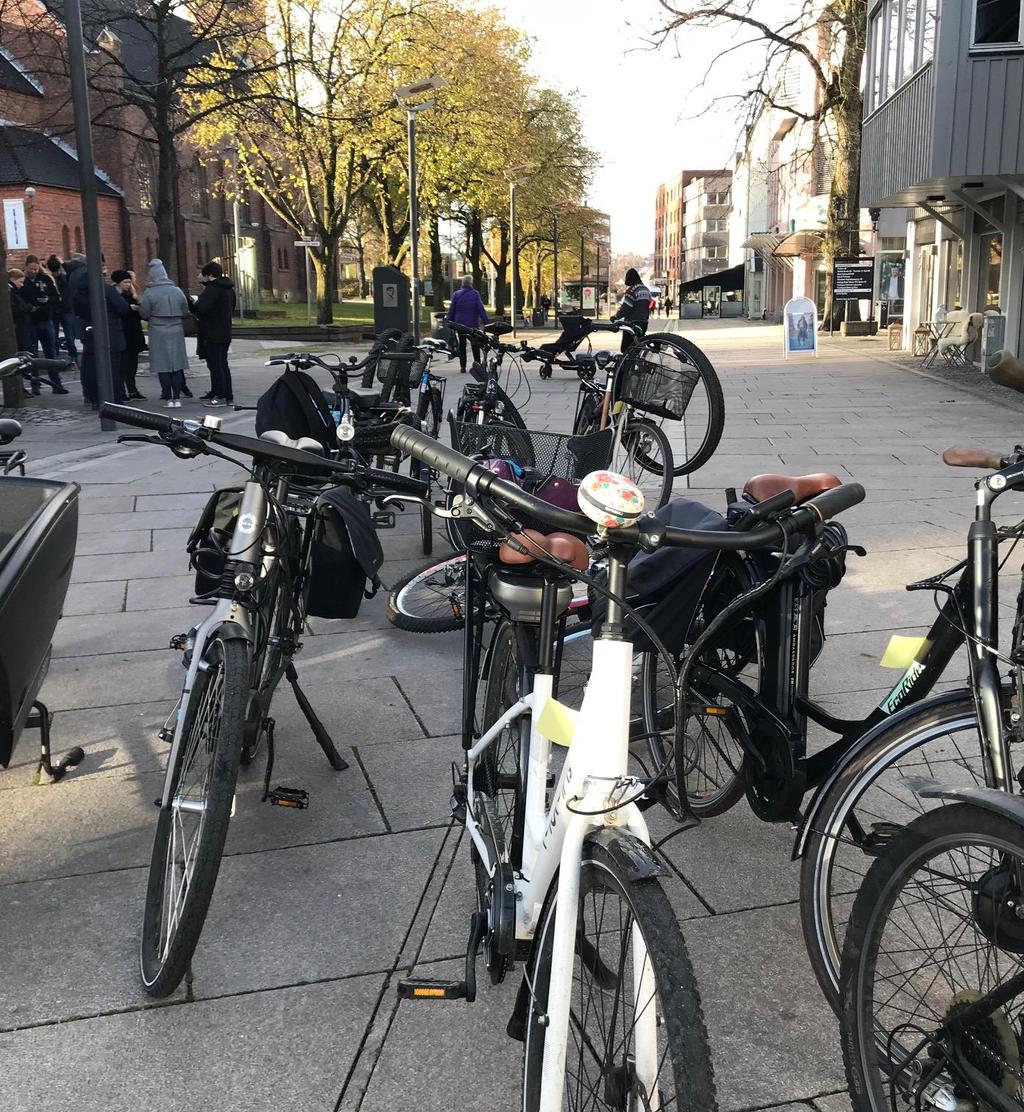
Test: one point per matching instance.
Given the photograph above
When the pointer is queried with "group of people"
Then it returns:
(46, 299)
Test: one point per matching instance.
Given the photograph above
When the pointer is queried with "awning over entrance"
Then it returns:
(727, 281)
(765, 242)
(804, 242)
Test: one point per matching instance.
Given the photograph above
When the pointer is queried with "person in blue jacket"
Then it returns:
(467, 309)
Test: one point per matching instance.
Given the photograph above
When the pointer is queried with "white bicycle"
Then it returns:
(608, 1008)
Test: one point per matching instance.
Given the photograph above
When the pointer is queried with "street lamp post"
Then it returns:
(412, 110)
(515, 251)
(237, 227)
(554, 236)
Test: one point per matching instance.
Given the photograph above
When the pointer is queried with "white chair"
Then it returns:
(965, 330)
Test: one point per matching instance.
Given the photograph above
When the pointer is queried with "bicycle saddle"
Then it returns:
(498, 328)
(303, 443)
(9, 430)
(803, 487)
(563, 546)
(364, 396)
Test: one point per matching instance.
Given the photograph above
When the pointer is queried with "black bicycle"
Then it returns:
(297, 539)
(484, 401)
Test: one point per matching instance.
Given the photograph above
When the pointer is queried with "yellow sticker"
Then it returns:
(901, 652)
(557, 722)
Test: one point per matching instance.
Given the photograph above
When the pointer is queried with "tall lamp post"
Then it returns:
(406, 96)
(90, 211)
(236, 221)
(554, 237)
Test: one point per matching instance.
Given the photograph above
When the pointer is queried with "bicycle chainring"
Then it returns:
(775, 790)
(989, 1045)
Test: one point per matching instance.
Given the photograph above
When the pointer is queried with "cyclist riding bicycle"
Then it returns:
(635, 308)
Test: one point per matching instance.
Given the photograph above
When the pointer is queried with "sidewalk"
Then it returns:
(317, 913)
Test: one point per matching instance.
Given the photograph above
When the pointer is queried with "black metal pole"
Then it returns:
(90, 211)
(555, 234)
(597, 299)
(414, 227)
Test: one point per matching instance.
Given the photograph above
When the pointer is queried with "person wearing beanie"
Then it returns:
(634, 308)
(213, 310)
(134, 340)
(166, 307)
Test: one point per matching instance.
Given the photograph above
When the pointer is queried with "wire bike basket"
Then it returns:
(657, 378)
(533, 460)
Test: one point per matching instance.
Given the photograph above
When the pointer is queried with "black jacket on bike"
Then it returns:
(635, 307)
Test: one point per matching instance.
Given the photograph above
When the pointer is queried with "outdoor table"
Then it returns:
(936, 330)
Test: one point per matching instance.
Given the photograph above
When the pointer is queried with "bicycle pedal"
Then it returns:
(295, 798)
(179, 641)
(384, 519)
(165, 735)
(417, 988)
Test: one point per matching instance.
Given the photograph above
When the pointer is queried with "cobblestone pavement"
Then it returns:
(317, 913)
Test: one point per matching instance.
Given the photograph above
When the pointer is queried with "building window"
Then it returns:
(199, 254)
(78, 239)
(719, 198)
(144, 181)
(714, 252)
(901, 36)
(198, 192)
(717, 225)
(206, 250)
(997, 23)
(149, 250)
(65, 240)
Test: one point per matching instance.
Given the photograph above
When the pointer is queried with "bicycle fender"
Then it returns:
(628, 852)
(988, 799)
(856, 753)
(231, 631)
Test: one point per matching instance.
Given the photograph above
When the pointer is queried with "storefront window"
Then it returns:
(992, 247)
(996, 22)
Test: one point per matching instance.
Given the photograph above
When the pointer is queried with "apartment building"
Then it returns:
(691, 227)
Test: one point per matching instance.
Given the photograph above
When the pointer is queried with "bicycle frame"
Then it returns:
(594, 774)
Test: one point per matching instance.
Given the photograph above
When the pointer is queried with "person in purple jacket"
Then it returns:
(467, 309)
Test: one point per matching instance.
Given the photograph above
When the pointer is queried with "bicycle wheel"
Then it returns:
(190, 831)
(871, 796)
(711, 751)
(703, 420)
(934, 932)
(588, 418)
(431, 598)
(645, 458)
(629, 961)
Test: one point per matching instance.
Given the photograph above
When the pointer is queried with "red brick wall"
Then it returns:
(51, 211)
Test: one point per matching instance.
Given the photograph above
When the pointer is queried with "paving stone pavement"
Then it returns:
(317, 913)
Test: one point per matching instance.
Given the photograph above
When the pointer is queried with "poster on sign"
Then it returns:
(589, 297)
(800, 333)
(853, 279)
(15, 229)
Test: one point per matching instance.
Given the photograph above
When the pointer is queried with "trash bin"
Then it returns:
(538, 318)
(993, 335)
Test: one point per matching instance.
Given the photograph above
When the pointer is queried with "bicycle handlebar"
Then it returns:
(648, 533)
(973, 457)
(349, 470)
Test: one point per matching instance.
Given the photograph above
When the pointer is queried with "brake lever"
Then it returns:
(138, 438)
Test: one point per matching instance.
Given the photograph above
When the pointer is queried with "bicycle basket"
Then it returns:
(538, 457)
(655, 376)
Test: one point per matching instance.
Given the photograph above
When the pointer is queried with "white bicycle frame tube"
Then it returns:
(247, 545)
(595, 764)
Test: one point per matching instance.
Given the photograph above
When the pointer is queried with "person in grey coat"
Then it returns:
(166, 307)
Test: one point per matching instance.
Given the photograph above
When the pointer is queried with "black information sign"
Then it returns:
(853, 279)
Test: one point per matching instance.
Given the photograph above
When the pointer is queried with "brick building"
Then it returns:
(39, 175)
(691, 222)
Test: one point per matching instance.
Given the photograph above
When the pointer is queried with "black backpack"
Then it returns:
(295, 405)
(346, 554)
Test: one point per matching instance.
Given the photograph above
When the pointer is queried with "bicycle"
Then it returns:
(484, 401)
(545, 859)
(260, 576)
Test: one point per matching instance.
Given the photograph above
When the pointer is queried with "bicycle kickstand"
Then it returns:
(47, 772)
(338, 763)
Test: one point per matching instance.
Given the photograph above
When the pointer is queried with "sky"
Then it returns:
(638, 104)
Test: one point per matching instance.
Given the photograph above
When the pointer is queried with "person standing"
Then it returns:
(21, 313)
(545, 305)
(134, 340)
(165, 307)
(668, 305)
(213, 310)
(116, 310)
(635, 308)
(63, 316)
(467, 308)
(40, 292)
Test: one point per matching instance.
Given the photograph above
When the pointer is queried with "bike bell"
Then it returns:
(610, 500)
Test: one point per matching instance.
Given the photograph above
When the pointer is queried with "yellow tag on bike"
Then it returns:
(557, 722)
(901, 652)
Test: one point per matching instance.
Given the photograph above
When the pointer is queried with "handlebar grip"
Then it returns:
(40, 364)
(972, 457)
(401, 484)
(140, 418)
(834, 502)
(416, 443)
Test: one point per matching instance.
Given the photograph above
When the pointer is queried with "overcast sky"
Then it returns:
(635, 101)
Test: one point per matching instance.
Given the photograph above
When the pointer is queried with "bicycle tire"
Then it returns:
(960, 829)
(163, 962)
(680, 1016)
(712, 435)
(419, 600)
(643, 442)
(714, 792)
(829, 854)
(588, 419)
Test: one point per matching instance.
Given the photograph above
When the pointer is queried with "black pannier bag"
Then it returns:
(210, 539)
(669, 581)
(295, 405)
(346, 555)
